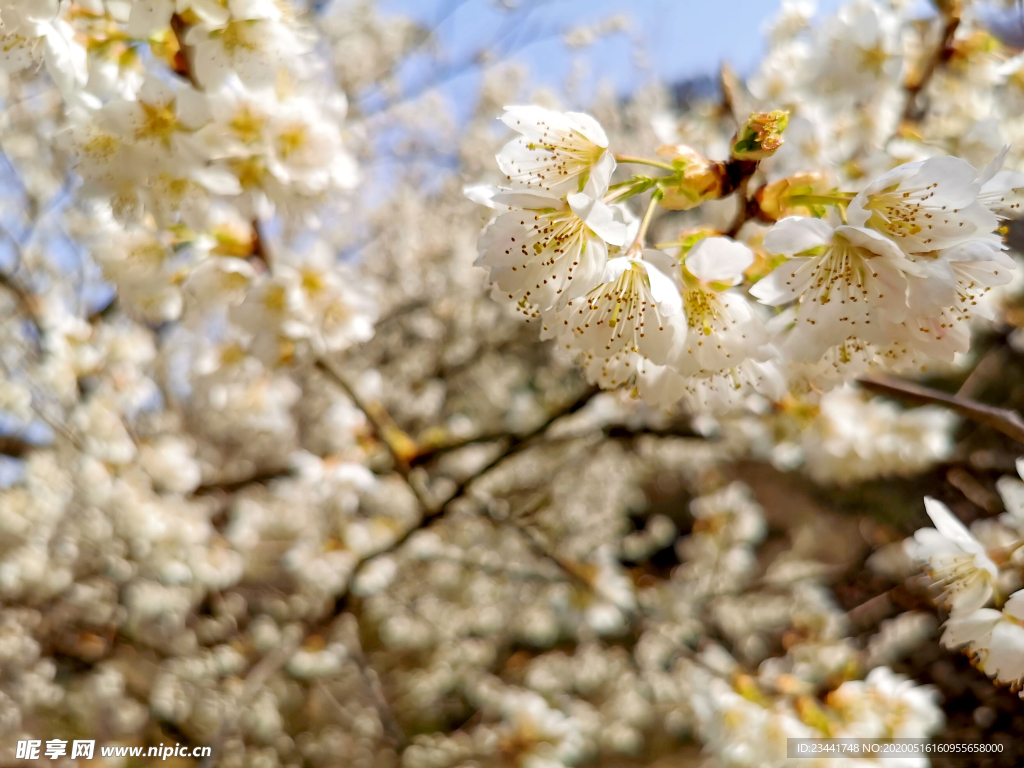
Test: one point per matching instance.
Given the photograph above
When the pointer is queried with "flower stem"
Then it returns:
(627, 189)
(837, 199)
(644, 161)
(638, 243)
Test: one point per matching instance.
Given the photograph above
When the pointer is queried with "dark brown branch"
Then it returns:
(576, 572)
(673, 430)
(942, 54)
(26, 301)
(12, 445)
(233, 485)
(739, 173)
(1002, 420)
(260, 247)
(426, 455)
(614, 431)
(515, 445)
(401, 447)
(430, 452)
(873, 610)
(182, 65)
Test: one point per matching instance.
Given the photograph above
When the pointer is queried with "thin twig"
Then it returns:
(570, 568)
(730, 92)
(371, 680)
(943, 53)
(988, 365)
(26, 300)
(430, 452)
(974, 491)
(258, 674)
(873, 610)
(401, 447)
(1002, 420)
(233, 485)
(260, 246)
(182, 63)
(515, 445)
(613, 431)
(498, 50)
(744, 213)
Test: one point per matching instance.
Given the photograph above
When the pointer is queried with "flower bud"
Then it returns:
(696, 179)
(781, 198)
(690, 237)
(760, 136)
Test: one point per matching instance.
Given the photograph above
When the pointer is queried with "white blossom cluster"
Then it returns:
(971, 568)
(553, 708)
(841, 438)
(192, 127)
(281, 474)
(892, 283)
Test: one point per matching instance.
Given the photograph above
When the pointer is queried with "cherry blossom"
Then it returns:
(955, 560)
(558, 153)
(848, 281)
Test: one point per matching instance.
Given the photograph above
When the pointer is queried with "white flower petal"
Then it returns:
(1004, 657)
(719, 260)
(797, 234)
(964, 628)
(949, 525)
(664, 290)
(785, 283)
(599, 217)
(1014, 605)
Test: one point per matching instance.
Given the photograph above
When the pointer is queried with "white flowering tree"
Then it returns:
(337, 430)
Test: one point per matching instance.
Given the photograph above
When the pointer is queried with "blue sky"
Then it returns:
(679, 38)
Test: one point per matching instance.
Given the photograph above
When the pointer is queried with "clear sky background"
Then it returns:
(669, 40)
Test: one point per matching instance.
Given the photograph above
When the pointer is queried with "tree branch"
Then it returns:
(233, 485)
(27, 302)
(738, 174)
(942, 54)
(731, 88)
(401, 447)
(1002, 420)
(392, 728)
(515, 445)
(260, 246)
(182, 64)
